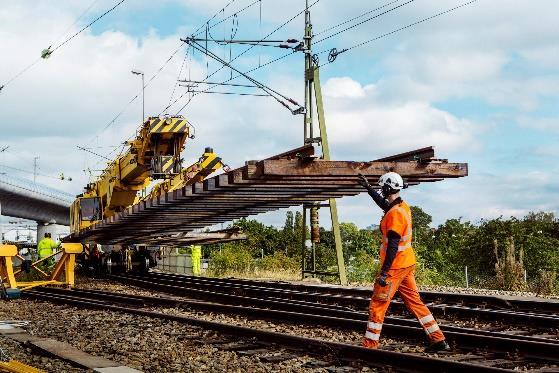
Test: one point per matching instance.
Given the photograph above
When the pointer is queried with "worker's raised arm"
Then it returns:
(377, 197)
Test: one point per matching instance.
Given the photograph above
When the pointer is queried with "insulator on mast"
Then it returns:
(315, 228)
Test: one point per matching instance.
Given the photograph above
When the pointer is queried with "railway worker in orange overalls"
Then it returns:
(397, 265)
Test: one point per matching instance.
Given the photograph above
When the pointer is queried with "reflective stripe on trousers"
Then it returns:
(429, 324)
(401, 280)
(372, 336)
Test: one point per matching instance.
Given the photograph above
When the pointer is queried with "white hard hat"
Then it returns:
(392, 180)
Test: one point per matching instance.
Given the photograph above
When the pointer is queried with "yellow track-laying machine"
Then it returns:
(150, 166)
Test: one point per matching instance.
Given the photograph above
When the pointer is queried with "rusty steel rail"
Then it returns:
(289, 179)
(540, 306)
(404, 362)
(459, 306)
(466, 338)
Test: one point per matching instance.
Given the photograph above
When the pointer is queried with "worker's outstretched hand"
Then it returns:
(381, 279)
(363, 181)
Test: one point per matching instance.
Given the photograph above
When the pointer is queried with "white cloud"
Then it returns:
(365, 126)
(549, 124)
(490, 52)
(343, 87)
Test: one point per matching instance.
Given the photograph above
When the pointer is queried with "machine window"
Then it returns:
(90, 209)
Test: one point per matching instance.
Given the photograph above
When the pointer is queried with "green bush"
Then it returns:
(231, 259)
(546, 283)
(363, 267)
(430, 276)
(278, 261)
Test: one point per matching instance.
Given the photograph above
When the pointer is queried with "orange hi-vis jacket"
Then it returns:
(398, 220)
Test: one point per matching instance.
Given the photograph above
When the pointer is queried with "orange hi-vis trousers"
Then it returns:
(403, 280)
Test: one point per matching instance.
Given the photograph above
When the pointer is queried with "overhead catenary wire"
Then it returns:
(123, 110)
(50, 51)
(28, 171)
(361, 44)
(212, 17)
(92, 152)
(239, 55)
(235, 77)
(273, 93)
(113, 120)
(179, 74)
(364, 21)
(354, 18)
(76, 21)
(87, 26)
(254, 42)
(233, 93)
(201, 29)
(242, 53)
(196, 82)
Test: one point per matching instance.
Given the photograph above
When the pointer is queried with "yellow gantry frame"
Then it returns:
(65, 265)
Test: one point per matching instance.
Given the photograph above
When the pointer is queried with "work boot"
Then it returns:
(438, 347)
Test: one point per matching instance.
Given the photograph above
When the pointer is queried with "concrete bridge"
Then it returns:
(22, 198)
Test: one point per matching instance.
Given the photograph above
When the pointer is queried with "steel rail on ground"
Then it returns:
(380, 358)
(192, 286)
(481, 300)
(467, 338)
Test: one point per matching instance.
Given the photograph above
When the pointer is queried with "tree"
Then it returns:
(420, 218)
(289, 223)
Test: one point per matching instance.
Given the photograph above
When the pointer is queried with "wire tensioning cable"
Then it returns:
(119, 114)
(394, 31)
(179, 75)
(195, 83)
(235, 77)
(76, 21)
(254, 42)
(354, 18)
(47, 52)
(88, 25)
(273, 93)
(212, 17)
(364, 21)
(112, 121)
(29, 172)
(239, 55)
(233, 93)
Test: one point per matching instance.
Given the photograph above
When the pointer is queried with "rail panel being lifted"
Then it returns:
(289, 179)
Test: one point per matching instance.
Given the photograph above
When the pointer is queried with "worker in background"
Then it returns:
(196, 258)
(45, 248)
(397, 259)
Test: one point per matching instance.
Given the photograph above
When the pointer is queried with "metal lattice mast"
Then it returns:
(312, 88)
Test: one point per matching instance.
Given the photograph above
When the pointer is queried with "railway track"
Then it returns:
(480, 350)
(540, 314)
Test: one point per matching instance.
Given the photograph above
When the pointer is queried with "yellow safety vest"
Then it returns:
(45, 247)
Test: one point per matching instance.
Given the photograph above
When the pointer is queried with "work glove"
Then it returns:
(381, 279)
(363, 181)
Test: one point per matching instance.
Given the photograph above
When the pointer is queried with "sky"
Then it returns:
(480, 84)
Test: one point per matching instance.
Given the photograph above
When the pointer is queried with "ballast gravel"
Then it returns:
(143, 343)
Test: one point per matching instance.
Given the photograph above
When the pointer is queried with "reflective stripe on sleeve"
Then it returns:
(426, 319)
(374, 325)
(404, 247)
(372, 336)
(433, 328)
